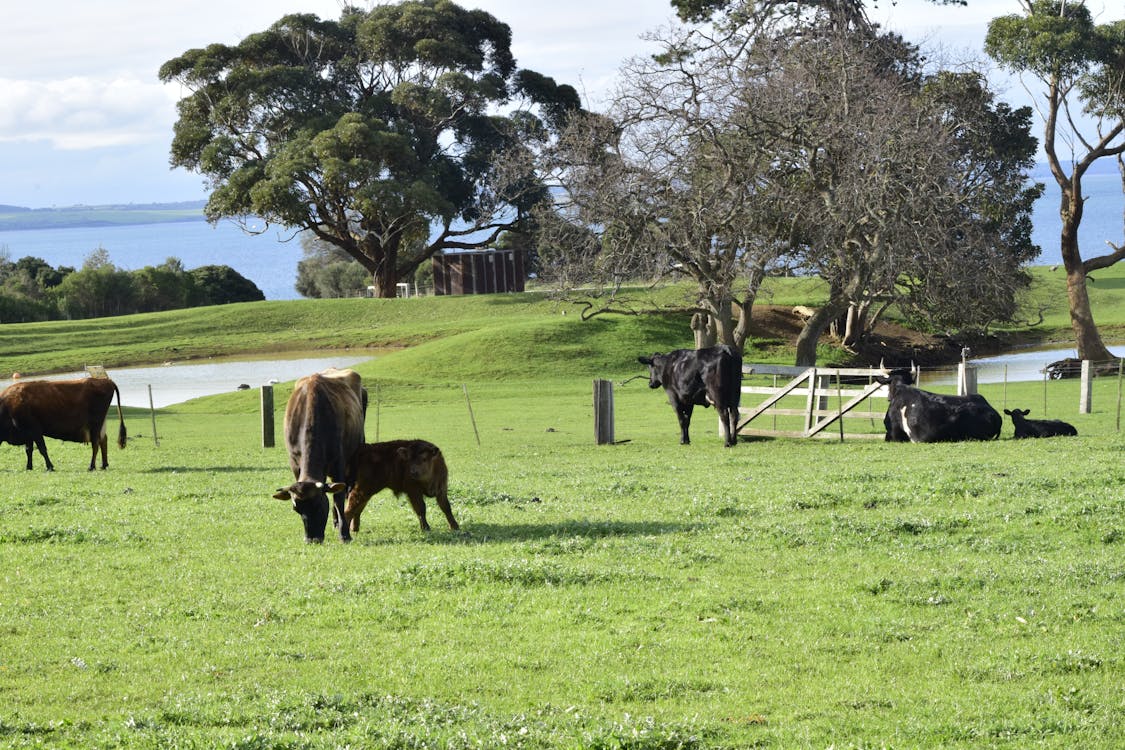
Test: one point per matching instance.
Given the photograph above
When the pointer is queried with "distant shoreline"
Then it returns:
(18, 218)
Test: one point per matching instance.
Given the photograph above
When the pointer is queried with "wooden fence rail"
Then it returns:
(819, 386)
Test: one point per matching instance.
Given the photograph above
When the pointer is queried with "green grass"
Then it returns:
(780, 594)
(643, 595)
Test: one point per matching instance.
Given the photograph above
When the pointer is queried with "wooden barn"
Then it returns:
(479, 272)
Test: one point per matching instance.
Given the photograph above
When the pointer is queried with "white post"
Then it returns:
(966, 379)
(1087, 392)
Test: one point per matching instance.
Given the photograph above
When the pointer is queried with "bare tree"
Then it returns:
(1078, 63)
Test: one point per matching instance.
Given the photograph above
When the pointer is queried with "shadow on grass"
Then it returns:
(492, 533)
(204, 470)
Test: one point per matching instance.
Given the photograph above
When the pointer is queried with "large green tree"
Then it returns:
(1079, 64)
(377, 133)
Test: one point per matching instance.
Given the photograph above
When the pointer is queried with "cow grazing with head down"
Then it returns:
(72, 410)
(413, 467)
(1037, 428)
(700, 377)
(919, 416)
(323, 428)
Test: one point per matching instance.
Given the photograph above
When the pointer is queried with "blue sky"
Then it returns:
(85, 120)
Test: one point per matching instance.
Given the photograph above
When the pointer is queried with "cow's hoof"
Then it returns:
(311, 540)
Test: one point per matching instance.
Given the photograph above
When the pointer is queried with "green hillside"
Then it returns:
(450, 339)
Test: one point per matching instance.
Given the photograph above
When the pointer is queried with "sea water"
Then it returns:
(270, 258)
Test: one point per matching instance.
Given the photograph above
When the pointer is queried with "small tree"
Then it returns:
(98, 289)
(1078, 63)
(326, 271)
(222, 285)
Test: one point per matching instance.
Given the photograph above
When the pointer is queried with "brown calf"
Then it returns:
(414, 467)
(73, 410)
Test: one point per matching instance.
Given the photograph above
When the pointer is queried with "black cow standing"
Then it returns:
(919, 416)
(704, 377)
(1037, 428)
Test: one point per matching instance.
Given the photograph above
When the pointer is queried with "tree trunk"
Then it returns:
(703, 329)
(811, 333)
(386, 284)
(1087, 338)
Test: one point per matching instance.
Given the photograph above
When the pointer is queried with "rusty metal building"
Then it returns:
(480, 272)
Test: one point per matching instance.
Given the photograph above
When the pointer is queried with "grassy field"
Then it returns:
(782, 594)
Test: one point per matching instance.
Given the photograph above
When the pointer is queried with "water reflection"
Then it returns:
(1022, 366)
(176, 383)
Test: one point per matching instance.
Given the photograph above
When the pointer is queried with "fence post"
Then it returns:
(1087, 392)
(603, 412)
(1120, 372)
(267, 416)
(966, 379)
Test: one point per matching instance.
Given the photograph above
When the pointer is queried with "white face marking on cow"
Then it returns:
(906, 425)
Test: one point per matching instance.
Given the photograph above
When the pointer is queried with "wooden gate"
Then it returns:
(823, 391)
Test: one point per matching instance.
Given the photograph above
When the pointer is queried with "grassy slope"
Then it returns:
(455, 330)
(643, 595)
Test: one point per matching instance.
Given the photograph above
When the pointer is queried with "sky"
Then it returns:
(84, 119)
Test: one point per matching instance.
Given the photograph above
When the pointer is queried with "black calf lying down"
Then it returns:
(1037, 428)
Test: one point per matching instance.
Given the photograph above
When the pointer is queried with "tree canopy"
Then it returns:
(805, 139)
(376, 132)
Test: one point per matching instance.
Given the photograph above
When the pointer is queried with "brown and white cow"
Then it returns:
(72, 410)
(323, 428)
(414, 467)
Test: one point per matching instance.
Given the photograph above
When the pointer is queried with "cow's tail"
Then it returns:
(120, 419)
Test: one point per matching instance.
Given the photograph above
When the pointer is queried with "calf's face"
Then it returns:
(310, 501)
(420, 463)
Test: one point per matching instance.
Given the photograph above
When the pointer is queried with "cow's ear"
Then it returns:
(336, 487)
(282, 494)
(402, 454)
(1008, 412)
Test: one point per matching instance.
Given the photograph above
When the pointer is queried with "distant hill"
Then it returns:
(14, 218)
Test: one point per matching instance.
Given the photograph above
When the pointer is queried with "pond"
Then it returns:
(175, 382)
(1024, 365)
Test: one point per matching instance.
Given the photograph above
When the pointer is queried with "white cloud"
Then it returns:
(84, 112)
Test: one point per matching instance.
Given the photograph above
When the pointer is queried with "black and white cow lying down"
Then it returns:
(700, 377)
(919, 416)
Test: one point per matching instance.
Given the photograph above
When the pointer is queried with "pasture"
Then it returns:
(645, 595)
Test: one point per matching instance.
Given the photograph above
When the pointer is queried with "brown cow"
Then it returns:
(411, 466)
(72, 410)
(323, 428)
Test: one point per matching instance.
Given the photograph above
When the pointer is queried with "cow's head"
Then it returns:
(420, 461)
(655, 368)
(310, 501)
(1017, 413)
(898, 376)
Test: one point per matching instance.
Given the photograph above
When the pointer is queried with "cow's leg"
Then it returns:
(357, 501)
(104, 444)
(338, 516)
(730, 427)
(418, 503)
(30, 447)
(443, 503)
(684, 413)
(41, 444)
(95, 444)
